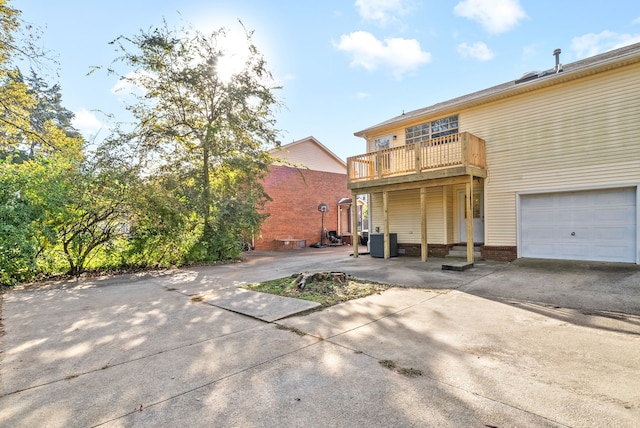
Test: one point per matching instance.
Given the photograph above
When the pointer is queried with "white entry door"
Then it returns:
(598, 225)
(478, 217)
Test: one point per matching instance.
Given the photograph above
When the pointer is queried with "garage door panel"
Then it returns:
(540, 202)
(585, 225)
(575, 199)
(616, 214)
(575, 233)
(540, 215)
(542, 251)
(584, 215)
(543, 234)
(615, 198)
(573, 251)
(610, 253)
(604, 234)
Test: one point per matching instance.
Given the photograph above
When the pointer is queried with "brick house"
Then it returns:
(308, 175)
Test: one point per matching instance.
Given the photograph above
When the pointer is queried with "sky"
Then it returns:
(344, 65)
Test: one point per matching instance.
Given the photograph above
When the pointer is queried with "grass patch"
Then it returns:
(327, 293)
(291, 329)
(388, 364)
(410, 372)
(197, 298)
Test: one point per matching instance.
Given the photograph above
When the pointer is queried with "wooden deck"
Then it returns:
(450, 156)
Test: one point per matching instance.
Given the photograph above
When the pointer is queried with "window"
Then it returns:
(383, 142)
(445, 126)
(429, 130)
(384, 160)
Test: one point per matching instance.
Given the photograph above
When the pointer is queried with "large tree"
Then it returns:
(212, 131)
(17, 41)
(31, 184)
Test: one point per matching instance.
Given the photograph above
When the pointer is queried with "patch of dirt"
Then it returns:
(326, 288)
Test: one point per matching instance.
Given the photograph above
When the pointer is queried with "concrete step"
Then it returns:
(456, 265)
(456, 255)
(460, 252)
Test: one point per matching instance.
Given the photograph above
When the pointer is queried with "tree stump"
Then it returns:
(304, 278)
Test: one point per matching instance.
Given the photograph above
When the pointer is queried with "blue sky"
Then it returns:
(344, 64)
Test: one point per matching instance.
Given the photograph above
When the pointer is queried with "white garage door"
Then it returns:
(597, 225)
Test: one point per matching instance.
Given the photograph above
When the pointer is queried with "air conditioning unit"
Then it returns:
(376, 244)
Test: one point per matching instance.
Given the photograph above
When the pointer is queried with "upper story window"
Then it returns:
(383, 142)
(428, 130)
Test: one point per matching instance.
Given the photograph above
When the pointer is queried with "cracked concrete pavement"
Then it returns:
(530, 343)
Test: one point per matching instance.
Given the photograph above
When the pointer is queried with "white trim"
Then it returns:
(518, 227)
(578, 189)
(638, 225)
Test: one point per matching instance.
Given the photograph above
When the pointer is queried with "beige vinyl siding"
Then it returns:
(375, 213)
(436, 225)
(449, 214)
(312, 156)
(579, 135)
(404, 215)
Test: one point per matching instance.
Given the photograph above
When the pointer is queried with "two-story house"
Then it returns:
(544, 166)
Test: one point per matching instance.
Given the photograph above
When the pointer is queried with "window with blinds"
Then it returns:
(427, 131)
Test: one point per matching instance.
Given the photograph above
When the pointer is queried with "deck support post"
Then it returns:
(354, 224)
(469, 210)
(424, 250)
(385, 219)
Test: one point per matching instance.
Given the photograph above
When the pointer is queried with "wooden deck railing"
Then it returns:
(462, 149)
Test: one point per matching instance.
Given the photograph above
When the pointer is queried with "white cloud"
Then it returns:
(399, 55)
(478, 50)
(86, 122)
(592, 44)
(383, 11)
(362, 95)
(636, 21)
(496, 16)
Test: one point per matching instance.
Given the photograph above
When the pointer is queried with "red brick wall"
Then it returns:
(433, 250)
(293, 213)
(505, 254)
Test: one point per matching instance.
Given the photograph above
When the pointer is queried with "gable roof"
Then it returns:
(294, 153)
(608, 60)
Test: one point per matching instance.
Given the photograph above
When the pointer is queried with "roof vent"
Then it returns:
(558, 67)
(530, 76)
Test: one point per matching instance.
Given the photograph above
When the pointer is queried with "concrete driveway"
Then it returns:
(529, 343)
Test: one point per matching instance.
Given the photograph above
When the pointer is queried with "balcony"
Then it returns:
(453, 155)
